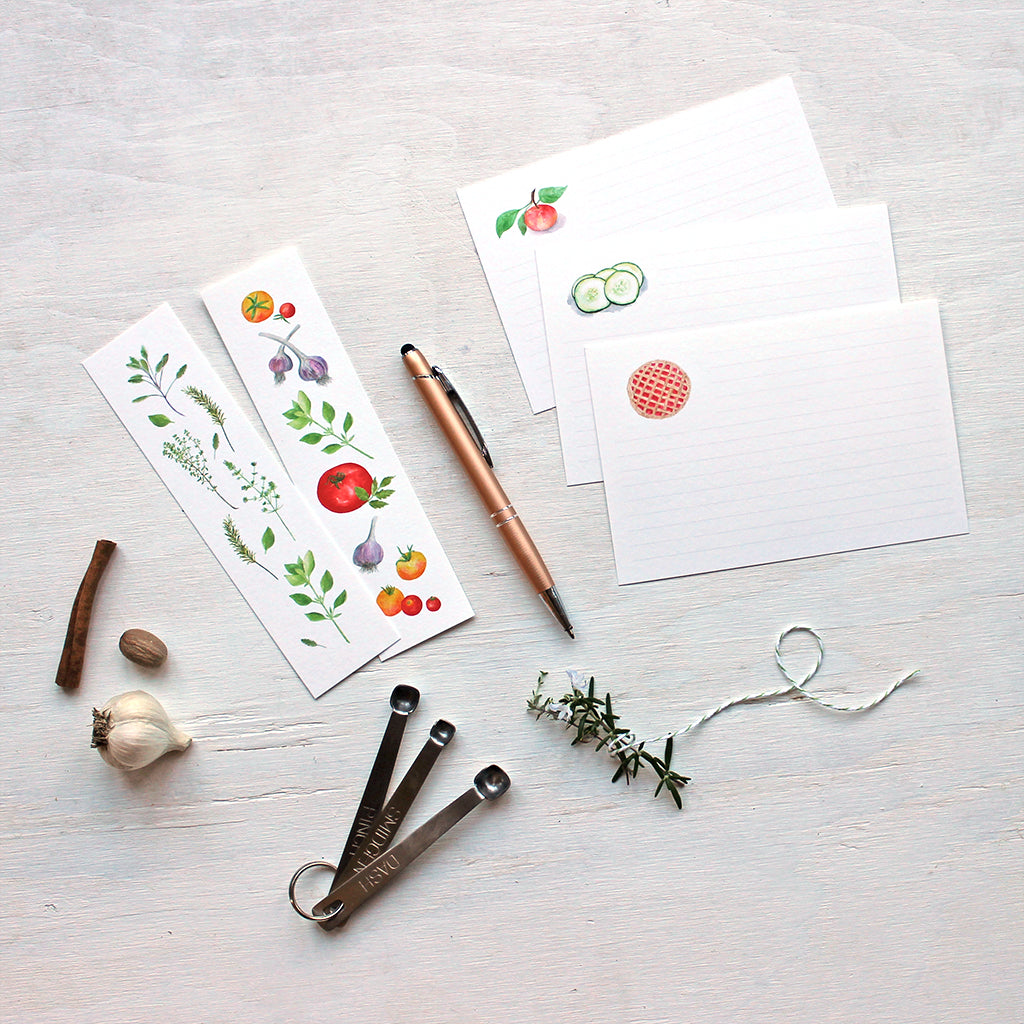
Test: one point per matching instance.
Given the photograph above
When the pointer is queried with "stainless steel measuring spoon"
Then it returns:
(388, 822)
(489, 784)
(404, 699)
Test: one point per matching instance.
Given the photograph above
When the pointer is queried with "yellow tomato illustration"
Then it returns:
(257, 306)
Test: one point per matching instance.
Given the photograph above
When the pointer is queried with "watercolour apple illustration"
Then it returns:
(539, 214)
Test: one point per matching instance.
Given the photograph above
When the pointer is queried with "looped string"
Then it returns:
(628, 740)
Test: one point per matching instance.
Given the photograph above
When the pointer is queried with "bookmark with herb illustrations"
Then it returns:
(335, 449)
(305, 590)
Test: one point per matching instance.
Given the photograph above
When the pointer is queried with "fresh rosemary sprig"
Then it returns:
(300, 574)
(213, 410)
(594, 720)
(187, 451)
(244, 552)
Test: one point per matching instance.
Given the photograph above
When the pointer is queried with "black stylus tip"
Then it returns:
(408, 348)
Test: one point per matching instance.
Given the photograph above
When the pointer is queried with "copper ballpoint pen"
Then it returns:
(457, 424)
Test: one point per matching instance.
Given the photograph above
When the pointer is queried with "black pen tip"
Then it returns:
(407, 349)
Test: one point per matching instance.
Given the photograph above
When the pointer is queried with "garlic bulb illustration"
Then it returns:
(369, 554)
(132, 730)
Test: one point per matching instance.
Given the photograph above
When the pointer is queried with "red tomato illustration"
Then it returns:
(412, 604)
(433, 604)
(344, 488)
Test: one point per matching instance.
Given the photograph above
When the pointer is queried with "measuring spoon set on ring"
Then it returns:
(369, 862)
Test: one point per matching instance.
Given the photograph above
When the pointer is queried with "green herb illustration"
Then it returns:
(187, 451)
(213, 410)
(300, 416)
(153, 376)
(537, 215)
(244, 552)
(256, 487)
(594, 720)
(300, 574)
(310, 643)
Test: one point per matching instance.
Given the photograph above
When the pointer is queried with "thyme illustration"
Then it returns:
(244, 552)
(187, 451)
(594, 720)
(300, 574)
(213, 410)
(300, 416)
(256, 487)
(153, 376)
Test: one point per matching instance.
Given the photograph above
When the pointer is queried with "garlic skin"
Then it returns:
(368, 555)
(132, 730)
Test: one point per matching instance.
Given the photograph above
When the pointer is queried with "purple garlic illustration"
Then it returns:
(311, 368)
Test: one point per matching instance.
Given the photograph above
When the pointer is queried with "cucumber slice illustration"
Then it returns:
(589, 294)
(632, 268)
(606, 273)
(622, 288)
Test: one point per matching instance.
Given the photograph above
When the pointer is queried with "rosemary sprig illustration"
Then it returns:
(153, 376)
(300, 574)
(256, 487)
(594, 720)
(244, 552)
(300, 416)
(212, 409)
(187, 451)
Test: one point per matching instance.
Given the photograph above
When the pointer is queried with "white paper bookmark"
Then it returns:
(333, 445)
(301, 586)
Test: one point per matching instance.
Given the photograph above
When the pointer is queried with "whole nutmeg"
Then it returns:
(143, 648)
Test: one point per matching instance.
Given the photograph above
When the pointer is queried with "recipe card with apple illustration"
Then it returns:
(735, 157)
(333, 444)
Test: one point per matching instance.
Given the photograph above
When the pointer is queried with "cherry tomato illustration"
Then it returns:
(286, 310)
(344, 488)
(433, 604)
(411, 604)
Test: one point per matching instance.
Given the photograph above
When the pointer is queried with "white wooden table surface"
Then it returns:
(824, 868)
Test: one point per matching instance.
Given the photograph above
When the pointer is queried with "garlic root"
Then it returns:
(132, 730)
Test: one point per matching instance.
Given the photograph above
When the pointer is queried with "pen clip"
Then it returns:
(464, 414)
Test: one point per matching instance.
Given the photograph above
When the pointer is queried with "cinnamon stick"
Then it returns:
(72, 658)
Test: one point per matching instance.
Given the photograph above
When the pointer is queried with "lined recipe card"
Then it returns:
(740, 156)
(694, 277)
(776, 439)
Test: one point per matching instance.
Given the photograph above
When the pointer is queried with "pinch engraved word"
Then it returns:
(380, 874)
(381, 836)
(363, 826)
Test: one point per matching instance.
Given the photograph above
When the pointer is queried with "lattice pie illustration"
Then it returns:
(658, 389)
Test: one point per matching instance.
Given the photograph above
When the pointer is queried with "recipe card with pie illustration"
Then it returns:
(333, 444)
(739, 156)
(306, 592)
(707, 274)
(776, 439)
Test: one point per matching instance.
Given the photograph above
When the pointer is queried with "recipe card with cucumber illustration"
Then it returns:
(629, 283)
(333, 444)
(742, 444)
(304, 589)
(740, 156)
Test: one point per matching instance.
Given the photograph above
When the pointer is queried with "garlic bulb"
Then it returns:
(133, 730)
